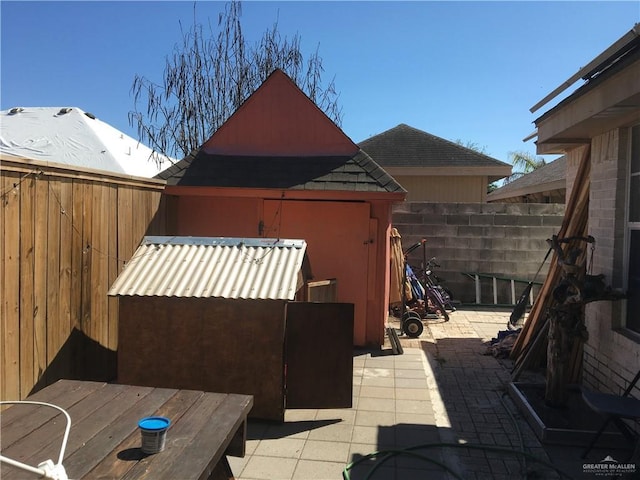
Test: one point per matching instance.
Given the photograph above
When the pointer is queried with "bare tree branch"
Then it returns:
(207, 77)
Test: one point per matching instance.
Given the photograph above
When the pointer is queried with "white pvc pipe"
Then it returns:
(42, 472)
(23, 466)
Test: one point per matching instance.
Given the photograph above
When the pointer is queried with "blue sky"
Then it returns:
(465, 71)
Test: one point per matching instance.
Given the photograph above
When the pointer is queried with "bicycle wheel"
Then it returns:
(448, 292)
(435, 298)
(447, 297)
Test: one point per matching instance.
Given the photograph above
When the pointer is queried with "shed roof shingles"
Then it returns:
(356, 173)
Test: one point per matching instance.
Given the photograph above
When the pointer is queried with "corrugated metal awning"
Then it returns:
(221, 267)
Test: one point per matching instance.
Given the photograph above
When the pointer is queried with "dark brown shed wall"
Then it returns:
(217, 345)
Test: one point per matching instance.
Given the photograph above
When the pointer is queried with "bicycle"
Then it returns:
(431, 279)
(428, 296)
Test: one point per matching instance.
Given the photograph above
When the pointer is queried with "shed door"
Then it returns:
(338, 243)
(319, 355)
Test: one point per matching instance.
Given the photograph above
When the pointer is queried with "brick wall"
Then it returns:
(506, 240)
(611, 355)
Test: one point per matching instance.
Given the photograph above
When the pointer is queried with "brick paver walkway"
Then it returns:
(474, 408)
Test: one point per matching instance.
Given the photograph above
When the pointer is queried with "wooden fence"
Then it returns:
(66, 234)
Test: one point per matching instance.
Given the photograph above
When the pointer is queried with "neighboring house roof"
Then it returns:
(70, 136)
(548, 178)
(206, 267)
(405, 146)
(279, 139)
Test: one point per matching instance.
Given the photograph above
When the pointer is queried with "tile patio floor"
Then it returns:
(443, 389)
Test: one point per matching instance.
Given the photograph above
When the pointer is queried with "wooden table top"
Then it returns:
(105, 440)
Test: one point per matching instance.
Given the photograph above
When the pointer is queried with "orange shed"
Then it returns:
(280, 168)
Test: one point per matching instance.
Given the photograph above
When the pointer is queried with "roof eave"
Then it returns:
(609, 100)
(493, 171)
(274, 193)
(528, 190)
(605, 56)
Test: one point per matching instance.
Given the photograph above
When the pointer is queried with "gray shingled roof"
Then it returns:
(551, 172)
(358, 173)
(405, 146)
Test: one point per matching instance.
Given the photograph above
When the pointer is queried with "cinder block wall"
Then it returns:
(611, 354)
(505, 240)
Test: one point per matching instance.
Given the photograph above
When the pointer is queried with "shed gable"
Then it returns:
(278, 119)
(279, 139)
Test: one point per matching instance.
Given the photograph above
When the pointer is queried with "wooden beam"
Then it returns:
(574, 224)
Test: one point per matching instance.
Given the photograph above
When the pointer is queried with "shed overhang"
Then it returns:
(214, 267)
(265, 193)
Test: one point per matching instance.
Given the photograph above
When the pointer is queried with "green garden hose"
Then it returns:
(388, 454)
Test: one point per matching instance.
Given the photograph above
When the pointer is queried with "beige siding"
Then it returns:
(573, 161)
(464, 189)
